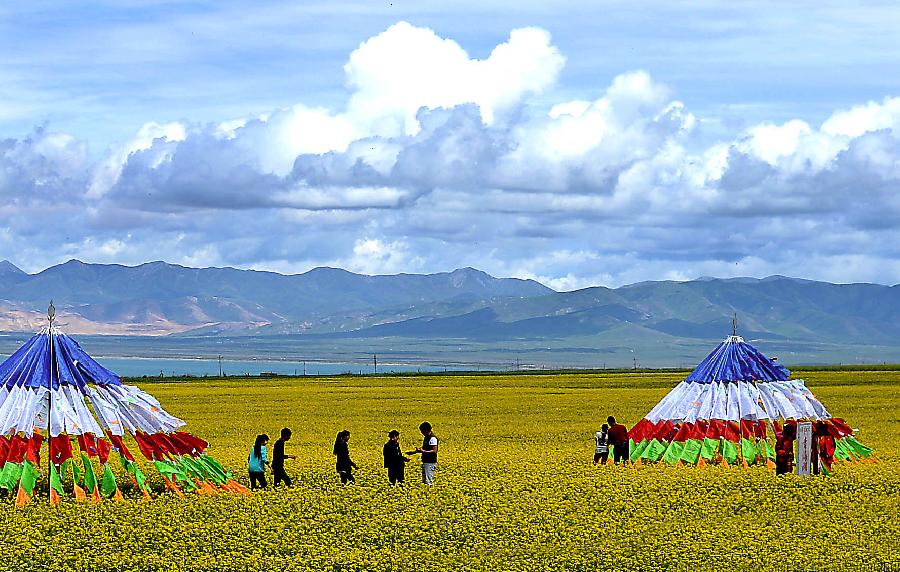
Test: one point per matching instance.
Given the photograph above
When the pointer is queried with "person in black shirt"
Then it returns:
(394, 461)
(344, 465)
(278, 458)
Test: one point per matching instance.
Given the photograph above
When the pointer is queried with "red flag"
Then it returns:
(88, 444)
(732, 433)
(683, 432)
(641, 431)
(841, 426)
(759, 429)
(60, 449)
(4, 449)
(17, 446)
(665, 431)
(120, 446)
(197, 444)
(747, 428)
(103, 449)
(163, 444)
(716, 429)
(182, 447)
(148, 447)
(698, 431)
(33, 449)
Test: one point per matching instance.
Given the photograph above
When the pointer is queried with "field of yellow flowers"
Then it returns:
(515, 488)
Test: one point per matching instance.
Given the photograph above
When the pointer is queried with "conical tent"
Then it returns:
(726, 410)
(52, 391)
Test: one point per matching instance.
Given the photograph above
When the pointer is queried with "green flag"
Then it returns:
(708, 449)
(76, 472)
(29, 477)
(55, 481)
(653, 451)
(171, 471)
(226, 474)
(64, 469)
(90, 478)
(770, 452)
(841, 451)
(190, 468)
(691, 451)
(9, 477)
(139, 477)
(858, 447)
(108, 482)
(729, 451)
(6, 476)
(211, 469)
(673, 452)
(748, 450)
(637, 451)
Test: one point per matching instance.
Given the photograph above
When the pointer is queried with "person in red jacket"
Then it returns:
(823, 448)
(618, 438)
(784, 450)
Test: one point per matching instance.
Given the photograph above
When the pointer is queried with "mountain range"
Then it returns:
(335, 306)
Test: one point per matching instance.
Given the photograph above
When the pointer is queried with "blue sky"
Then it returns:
(576, 143)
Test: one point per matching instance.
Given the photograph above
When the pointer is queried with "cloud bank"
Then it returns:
(438, 160)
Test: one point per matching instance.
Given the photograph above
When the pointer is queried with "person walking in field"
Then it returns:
(618, 438)
(601, 442)
(429, 451)
(344, 464)
(278, 458)
(257, 461)
(394, 461)
(784, 450)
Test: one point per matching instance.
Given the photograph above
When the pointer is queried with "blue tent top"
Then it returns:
(736, 360)
(33, 366)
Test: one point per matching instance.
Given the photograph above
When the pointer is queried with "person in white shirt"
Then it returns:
(429, 451)
(601, 439)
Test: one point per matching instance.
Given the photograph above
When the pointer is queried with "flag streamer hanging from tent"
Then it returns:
(52, 391)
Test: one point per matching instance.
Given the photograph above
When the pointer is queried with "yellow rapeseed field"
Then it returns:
(515, 488)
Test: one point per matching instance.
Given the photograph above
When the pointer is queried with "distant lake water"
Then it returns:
(137, 367)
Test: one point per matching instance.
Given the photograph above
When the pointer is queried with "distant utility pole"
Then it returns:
(304, 368)
(375, 362)
(517, 363)
(635, 361)
(220, 366)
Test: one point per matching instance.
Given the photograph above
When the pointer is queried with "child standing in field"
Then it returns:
(344, 465)
(278, 458)
(257, 461)
(394, 461)
(601, 441)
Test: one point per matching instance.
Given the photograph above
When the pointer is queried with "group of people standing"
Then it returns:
(394, 458)
(611, 434)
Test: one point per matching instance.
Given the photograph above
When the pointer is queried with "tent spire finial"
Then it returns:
(51, 313)
(734, 325)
